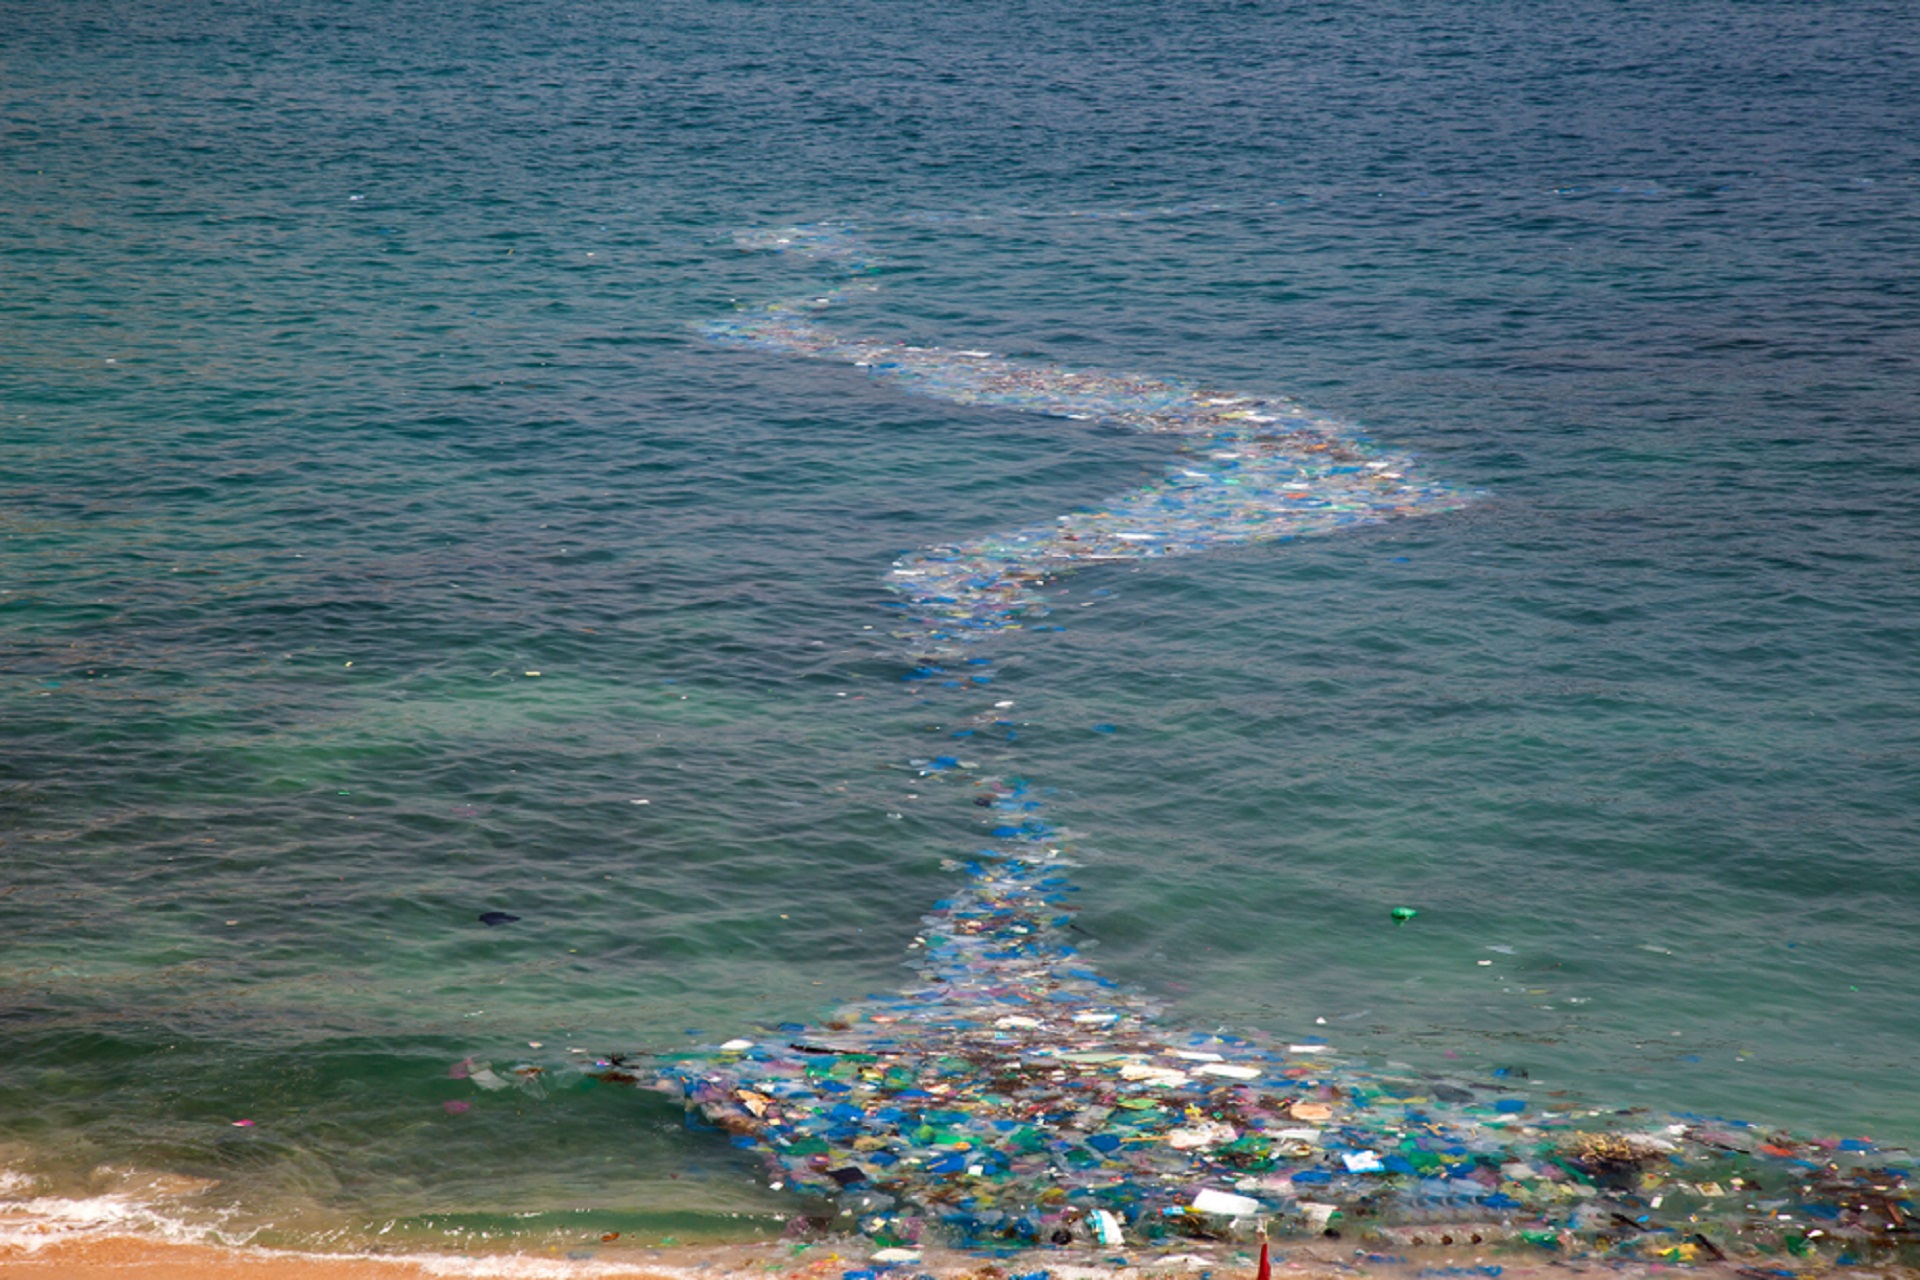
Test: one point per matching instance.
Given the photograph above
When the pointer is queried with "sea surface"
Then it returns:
(384, 543)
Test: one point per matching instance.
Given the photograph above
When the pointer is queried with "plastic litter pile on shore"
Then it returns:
(1011, 1097)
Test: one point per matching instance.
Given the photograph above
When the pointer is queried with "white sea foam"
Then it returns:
(28, 1225)
(32, 1221)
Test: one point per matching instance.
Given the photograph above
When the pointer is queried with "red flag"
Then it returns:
(1266, 1268)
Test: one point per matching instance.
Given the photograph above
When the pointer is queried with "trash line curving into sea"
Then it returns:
(1011, 1097)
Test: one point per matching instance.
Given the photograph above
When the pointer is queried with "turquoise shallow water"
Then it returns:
(353, 370)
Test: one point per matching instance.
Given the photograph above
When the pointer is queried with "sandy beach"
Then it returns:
(153, 1261)
(132, 1258)
(135, 1258)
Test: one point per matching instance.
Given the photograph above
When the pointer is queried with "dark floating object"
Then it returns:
(492, 918)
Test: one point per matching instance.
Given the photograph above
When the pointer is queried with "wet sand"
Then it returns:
(132, 1258)
(125, 1259)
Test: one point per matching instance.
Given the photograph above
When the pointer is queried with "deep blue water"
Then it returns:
(351, 369)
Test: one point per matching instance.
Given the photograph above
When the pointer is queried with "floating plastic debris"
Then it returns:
(1011, 1097)
(1251, 469)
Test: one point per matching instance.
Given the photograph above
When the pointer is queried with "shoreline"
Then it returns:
(128, 1257)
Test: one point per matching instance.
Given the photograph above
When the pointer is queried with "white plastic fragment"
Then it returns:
(1151, 1074)
(1224, 1203)
(736, 1046)
(1208, 1133)
(1106, 1229)
(483, 1075)
(1232, 1071)
(1362, 1161)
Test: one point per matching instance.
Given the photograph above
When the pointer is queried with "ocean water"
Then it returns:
(379, 525)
